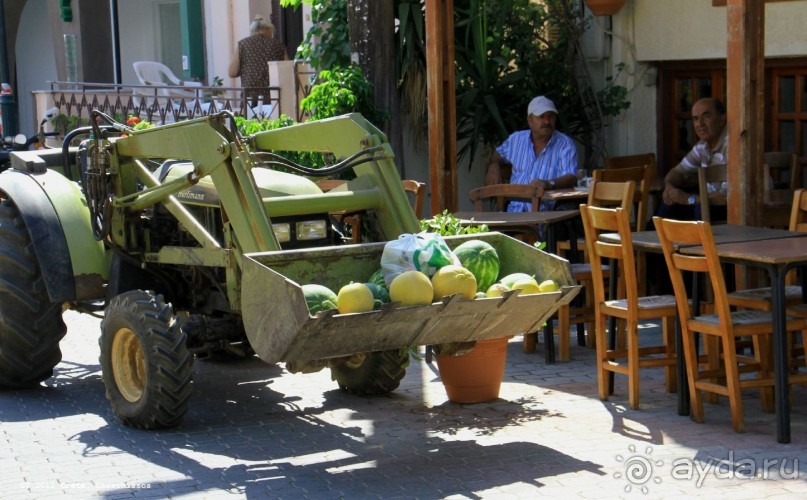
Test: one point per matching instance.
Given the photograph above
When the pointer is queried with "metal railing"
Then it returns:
(158, 104)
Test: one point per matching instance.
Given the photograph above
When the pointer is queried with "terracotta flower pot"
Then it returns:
(477, 376)
(604, 7)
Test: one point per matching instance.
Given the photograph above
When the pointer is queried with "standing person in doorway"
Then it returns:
(250, 58)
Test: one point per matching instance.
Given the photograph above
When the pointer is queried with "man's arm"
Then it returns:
(493, 174)
(673, 194)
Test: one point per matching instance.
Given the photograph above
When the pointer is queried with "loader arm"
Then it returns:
(215, 152)
(344, 136)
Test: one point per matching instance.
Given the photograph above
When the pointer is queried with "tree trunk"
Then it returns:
(372, 47)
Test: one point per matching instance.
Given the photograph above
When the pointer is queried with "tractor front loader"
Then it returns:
(194, 241)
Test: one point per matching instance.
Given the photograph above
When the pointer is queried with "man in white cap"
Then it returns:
(541, 156)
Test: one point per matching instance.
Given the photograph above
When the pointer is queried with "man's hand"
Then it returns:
(541, 185)
(674, 196)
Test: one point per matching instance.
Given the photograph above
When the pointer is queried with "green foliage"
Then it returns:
(249, 126)
(339, 91)
(64, 124)
(330, 30)
(445, 224)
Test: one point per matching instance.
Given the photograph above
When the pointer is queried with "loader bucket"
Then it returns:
(280, 328)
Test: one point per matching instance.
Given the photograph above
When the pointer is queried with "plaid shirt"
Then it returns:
(558, 158)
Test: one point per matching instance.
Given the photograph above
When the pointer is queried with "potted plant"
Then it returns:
(604, 7)
(471, 372)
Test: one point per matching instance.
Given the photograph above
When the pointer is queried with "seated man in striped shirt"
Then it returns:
(709, 124)
(540, 156)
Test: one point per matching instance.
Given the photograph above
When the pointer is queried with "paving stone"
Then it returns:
(254, 430)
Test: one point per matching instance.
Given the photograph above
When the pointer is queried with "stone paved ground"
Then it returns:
(253, 430)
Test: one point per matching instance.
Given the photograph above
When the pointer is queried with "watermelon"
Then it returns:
(481, 259)
(319, 298)
(512, 278)
(380, 294)
(378, 278)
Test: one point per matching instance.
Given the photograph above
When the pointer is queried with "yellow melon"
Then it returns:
(452, 279)
(355, 298)
(496, 290)
(548, 286)
(411, 288)
(527, 286)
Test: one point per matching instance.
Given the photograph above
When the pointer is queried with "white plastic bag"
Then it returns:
(424, 252)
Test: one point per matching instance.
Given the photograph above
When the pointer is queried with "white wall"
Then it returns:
(648, 31)
(36, 62)
(693, 29)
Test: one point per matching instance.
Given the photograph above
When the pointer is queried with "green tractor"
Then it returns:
(195, 241)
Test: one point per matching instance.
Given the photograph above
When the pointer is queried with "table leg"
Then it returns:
(681, 370)
(780, 356)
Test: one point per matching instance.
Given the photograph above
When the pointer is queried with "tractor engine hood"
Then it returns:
(271, 183)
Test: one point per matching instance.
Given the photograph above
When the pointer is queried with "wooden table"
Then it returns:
(566, 194)
(647, 241)
(778, 256)
(529, 222)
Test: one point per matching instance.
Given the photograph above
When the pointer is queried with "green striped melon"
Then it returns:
(380, 294)
(319, 298)
(481, 259)
(378, 278)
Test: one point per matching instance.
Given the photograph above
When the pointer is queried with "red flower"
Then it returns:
(132, 120)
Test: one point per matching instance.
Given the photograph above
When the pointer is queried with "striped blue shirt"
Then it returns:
(558, 158)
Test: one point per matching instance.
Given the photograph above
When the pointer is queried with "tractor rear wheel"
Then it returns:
(145, 362)
(31, 326)
(372, 373)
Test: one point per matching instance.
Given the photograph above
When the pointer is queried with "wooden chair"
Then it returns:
(418, 192)
(352, 220)
(782, 175)
(706, 176)
(415, 188)
(641, 176)
(762, 298)
(639, 160)
(601, 194)
(630, 309)
(721, 375)
(494, 198)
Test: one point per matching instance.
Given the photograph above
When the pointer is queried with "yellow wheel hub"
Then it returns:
(128, 365)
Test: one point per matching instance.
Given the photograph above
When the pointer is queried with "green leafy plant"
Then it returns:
(342, 90)
(445, 224)
(326, 44)
(249, 126)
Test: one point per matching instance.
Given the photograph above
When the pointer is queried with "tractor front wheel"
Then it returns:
(372, 373)
(145, 363)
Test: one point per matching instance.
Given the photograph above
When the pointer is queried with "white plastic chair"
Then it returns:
(158, 74)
